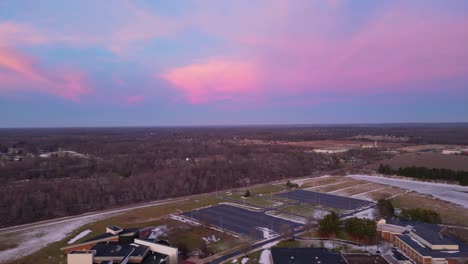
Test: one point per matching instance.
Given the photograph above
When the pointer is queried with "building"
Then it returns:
(305, 256)
(422, 242)
(122, 246)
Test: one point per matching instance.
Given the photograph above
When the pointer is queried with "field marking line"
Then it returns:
(371, 191)
(334, 183)
(335, 191)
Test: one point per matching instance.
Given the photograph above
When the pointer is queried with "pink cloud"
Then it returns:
(20, 73)
(215, 79)
(397, 50)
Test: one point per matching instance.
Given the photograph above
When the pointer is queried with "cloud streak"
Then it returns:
(21, 73)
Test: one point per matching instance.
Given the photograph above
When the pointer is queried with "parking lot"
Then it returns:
(326, 200)
(248, 223)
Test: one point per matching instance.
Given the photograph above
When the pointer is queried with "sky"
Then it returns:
(224, 62)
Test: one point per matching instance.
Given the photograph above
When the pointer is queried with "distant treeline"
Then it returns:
(426, 173)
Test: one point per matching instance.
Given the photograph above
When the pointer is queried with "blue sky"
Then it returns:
(150, 63)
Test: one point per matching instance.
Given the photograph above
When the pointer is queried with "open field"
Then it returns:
(298, 210)
(342, 184)
(377, 194)
(252, 200)
(321, 143)
(450, 213)
(360, 188)
(429, 160)
(449, 192)
(320, 181)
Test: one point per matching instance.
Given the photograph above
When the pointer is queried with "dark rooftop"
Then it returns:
(425, 251)
(305, 256)
(429, 232)
(106, 262)
(364, 259)
(398, 255)
(432, 235)
(115, 228)
(112, 249)
(139, 251)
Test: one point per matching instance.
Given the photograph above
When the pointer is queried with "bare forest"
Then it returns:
(49, 173)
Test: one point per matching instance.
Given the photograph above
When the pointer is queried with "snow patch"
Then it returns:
(270, 245)
(267, 233)
(183, 220)
(158, 231)
(319, 214)
(365, 214)
(79, 236)
(245, 260)
(33, 240)
(265, 257)
(211, 239)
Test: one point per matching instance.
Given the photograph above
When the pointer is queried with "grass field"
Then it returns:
(361, 188)
(382, 193)
(341, 185)
(298, 210)
(268, 189)
(450, 213)
(252, 200)
(322, 181)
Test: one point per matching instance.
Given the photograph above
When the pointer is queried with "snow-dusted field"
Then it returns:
(35, 239)
(448, 192)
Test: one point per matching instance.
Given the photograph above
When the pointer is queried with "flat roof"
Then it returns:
(429, 232)
(112, 249)
(140, 250)
(305, 256)
(426, 251)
